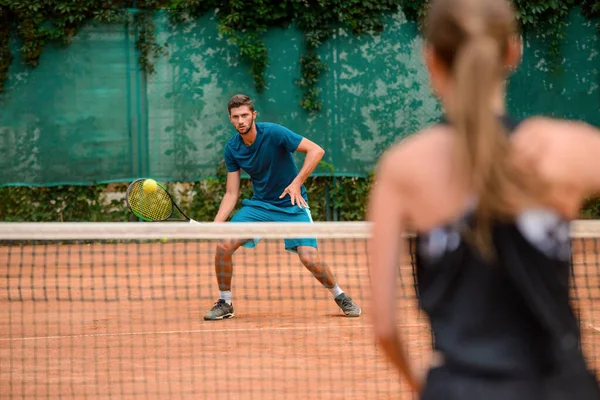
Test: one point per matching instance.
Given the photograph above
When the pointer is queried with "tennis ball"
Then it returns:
(149, 185)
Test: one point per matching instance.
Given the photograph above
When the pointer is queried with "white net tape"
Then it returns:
(209, 230)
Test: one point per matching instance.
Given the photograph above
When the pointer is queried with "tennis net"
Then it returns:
(115, 310)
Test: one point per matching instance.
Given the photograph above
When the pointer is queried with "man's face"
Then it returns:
(242, 119)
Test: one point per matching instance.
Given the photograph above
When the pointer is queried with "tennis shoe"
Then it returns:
(221, 310)
(348, 306)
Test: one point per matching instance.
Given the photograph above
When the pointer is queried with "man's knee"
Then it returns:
(226, 247)
(309, 256)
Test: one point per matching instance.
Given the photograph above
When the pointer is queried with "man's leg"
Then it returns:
(309, 257)
(223, 308)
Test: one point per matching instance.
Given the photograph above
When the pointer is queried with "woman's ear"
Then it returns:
(437, 72)
(514, 53)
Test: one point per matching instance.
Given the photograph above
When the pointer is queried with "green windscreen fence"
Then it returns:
(88, 114)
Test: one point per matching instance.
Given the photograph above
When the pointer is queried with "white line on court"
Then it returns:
(272, 328)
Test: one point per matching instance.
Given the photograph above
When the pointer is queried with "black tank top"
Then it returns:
(507, 317)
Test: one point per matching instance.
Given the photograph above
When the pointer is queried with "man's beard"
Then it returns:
(247, 128)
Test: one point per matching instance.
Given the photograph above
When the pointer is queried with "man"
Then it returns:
(265, 152)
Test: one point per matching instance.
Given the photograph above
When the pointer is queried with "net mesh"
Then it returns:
(114, 310)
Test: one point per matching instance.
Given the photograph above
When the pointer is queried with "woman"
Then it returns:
(490, 200)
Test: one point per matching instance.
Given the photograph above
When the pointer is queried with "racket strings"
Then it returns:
(155, 206)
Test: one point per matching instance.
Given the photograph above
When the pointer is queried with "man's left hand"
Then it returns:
(295, 192)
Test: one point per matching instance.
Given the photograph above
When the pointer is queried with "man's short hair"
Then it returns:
(240, 100)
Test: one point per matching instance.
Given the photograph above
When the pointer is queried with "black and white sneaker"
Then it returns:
(348, 306)
(221, 310)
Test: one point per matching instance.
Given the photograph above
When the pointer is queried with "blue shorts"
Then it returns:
(258, 211)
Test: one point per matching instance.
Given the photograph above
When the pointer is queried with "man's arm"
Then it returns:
(314, 154)
(230, 198)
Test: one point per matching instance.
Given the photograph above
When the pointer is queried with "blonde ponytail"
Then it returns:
(471, 39)
(482, 143)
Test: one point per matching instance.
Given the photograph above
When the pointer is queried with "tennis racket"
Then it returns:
(156, 205)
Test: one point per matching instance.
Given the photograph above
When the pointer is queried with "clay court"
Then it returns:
(105, 320)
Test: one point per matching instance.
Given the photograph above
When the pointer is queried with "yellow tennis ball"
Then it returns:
(149, 185)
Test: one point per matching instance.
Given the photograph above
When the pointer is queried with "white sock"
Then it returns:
(336, 291)
(226, 295)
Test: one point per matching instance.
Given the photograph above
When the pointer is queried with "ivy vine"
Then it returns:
(244, 22)
(35, 23)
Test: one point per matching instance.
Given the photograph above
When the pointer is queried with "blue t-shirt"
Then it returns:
(269, 161)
